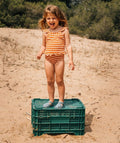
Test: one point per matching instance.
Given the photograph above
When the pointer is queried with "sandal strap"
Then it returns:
(59, 105)
(60, 102)
(48, 104)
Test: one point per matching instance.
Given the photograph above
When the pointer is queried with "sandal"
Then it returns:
(59, 105)
(48, 104)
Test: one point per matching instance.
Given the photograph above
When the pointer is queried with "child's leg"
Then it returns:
(59, 71)
(50, 74)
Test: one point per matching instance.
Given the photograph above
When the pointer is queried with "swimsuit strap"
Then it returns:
(63, 29)
(46, 31)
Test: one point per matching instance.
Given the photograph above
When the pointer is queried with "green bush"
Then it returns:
(1, 24)
(97, 20)
(16, 7)
(114, 9)
(102, 30)
(34, 12)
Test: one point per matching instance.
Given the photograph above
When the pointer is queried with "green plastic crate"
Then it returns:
(59, 126)
(55, 120)
(76, 132)
(70, 119)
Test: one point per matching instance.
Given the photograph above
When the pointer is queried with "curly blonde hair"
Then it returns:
(57, 12)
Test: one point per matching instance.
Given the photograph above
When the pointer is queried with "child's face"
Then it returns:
(52, 21)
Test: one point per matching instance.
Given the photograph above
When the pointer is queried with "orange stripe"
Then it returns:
(54, 45)
(56, 48)
(55, 42)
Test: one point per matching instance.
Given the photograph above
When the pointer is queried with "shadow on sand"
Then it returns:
(88, 122)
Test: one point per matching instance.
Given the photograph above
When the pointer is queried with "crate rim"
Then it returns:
(42, 108)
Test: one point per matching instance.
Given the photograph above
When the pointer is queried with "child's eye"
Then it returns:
(48, 18)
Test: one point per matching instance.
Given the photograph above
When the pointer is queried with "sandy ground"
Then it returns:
(95, 81)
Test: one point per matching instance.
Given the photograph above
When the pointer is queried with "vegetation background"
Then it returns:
(94, 19)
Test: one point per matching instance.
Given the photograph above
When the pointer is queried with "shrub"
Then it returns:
(103, 30)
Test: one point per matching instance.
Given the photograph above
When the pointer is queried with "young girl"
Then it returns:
(54, 42)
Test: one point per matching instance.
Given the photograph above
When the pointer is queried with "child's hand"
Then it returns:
(39, 55)
(71, 65)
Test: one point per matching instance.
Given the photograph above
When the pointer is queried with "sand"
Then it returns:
(95, 81)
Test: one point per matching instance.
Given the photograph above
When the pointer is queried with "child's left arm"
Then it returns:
(69, 49)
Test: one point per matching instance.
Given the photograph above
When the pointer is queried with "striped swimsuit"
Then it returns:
(55, 46)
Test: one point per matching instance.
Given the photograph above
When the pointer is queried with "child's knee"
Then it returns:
(50, 82)
(60, 82)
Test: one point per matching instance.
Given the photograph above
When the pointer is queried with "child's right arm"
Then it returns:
(43, 47)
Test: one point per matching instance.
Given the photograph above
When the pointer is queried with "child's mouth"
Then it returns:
(52, 24)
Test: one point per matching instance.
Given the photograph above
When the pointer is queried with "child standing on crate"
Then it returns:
(55, 40)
